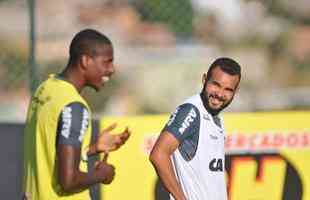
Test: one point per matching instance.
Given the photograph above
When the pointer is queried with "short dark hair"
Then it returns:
(86, 42)
(227, 65)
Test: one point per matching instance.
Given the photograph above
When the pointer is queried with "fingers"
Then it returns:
(125, 134)
(110, 128)
(107, 141)
(105, 172)
(121, 138)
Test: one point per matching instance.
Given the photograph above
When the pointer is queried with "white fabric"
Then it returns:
(195, 177)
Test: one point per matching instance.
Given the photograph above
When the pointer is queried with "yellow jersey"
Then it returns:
(40, 159)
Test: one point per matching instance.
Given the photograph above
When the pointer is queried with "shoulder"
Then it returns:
(184, 122)
(195, 99)
(183, 111)
(75, 109)
(73, 123)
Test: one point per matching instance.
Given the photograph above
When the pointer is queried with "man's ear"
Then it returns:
(204, 78)
(84, 61)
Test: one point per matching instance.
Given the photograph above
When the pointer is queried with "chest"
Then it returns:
(211, 136)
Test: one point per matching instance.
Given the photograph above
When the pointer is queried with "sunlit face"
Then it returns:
(100, 67)
(219, 90)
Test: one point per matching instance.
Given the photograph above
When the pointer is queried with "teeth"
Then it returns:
(215, 101)
(105, 79)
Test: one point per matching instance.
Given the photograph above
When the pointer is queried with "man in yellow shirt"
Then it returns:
(58, 129)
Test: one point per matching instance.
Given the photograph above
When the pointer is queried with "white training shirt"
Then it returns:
(199, 160)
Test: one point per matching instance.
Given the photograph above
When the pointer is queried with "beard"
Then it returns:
(205, 96)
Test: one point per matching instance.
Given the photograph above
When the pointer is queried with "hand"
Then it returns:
(104, 171)
(107, 142)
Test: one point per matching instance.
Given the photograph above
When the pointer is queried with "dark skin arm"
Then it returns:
(72, 179)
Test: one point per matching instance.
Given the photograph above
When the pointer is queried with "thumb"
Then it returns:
(97, 164)
(105, 157)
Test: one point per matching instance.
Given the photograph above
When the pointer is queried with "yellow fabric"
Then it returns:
(40, 176)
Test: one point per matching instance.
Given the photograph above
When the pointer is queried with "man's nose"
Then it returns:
(112, 69)
(220, 94)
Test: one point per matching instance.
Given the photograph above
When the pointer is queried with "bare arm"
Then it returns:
(71, 178)
(72, 125)
(160, 158)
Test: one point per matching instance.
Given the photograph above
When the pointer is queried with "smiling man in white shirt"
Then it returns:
(189, 154)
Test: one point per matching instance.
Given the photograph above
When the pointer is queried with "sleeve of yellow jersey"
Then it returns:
(72, 124)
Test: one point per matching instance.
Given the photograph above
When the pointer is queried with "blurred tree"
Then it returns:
(177, 14)
(293, 44)
(293, 11)
(12, 64)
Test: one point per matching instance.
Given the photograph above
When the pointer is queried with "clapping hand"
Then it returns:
(104, 172)
(107, 142)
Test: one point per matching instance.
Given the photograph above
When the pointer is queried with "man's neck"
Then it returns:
(72, 76)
